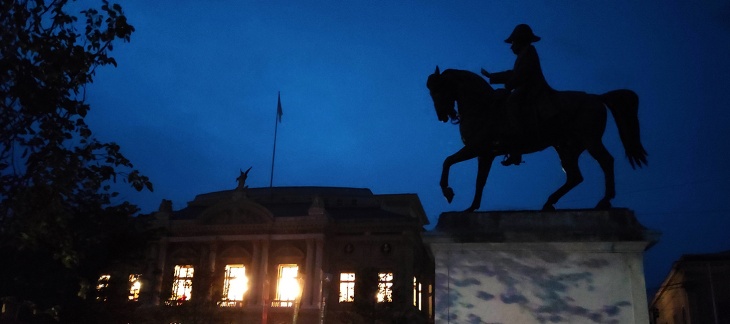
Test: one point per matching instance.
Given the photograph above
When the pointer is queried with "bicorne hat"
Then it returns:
(522, 32)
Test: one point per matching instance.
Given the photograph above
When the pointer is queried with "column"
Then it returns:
(213, 247)
(317, 280)
(264, 284)
(201, 278)
(264, 272)
(309, 279)
(254, 296)
(160, 268)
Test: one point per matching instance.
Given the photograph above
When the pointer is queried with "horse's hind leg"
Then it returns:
(573, 177)
(605, 160)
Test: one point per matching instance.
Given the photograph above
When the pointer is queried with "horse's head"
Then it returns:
(459, 94)
(443, 95)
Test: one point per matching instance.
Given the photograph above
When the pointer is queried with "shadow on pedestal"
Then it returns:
(568, 266)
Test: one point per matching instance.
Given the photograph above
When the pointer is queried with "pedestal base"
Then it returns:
(579, 266)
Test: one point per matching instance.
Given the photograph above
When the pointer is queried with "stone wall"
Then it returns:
(576, 266)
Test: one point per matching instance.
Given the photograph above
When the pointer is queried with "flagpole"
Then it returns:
(276, 128)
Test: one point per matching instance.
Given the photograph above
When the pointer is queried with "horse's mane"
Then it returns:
(470, 91)
(474, 81)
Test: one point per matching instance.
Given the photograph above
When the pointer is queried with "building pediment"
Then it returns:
(243, 211)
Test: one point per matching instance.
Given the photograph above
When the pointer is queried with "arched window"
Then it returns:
(182, 284)
(288, 285)
(236, 275)
(235, 285)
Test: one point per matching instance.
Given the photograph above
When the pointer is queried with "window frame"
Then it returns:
(102, 287)
(348, 283)
(225, 301)
(135, 287)
(186, 279)
(284, 298)
(384, 293)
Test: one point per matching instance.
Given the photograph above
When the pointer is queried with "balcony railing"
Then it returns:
(230, 303)
(282, 303)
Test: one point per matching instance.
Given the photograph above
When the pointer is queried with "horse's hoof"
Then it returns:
(603, 204)
(448, 193)
(548, 207)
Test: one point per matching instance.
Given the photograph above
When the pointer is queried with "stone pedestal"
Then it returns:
(571, 266)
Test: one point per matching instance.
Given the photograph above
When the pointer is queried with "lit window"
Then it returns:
(235, 285)
(385, 287)
(415, 292)
(134, 286)
(102, 286)
(420, 296)
(287, 288)
(430, 300)
(182, 284)
(347, 287)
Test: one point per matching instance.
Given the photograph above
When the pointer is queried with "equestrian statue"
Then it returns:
(528, 116)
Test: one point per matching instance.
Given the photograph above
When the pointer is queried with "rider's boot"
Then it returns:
(514, 157)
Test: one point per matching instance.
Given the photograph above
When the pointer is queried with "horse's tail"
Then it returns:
(624, 106)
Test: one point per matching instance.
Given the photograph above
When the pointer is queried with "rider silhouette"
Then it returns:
(525, 82)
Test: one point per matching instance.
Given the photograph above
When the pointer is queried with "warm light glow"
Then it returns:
(101, 285)
(103, 282)
(235, 285)
(347, 287)
(287, 289)
(182, 285)
(135, 284)
(430, 300)
(385, 287)
(415, 292)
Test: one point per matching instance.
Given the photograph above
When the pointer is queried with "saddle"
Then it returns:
(525, 118)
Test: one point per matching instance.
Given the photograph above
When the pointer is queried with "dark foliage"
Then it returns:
(58, 224)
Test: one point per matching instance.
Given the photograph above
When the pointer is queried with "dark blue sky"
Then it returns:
(194, 100)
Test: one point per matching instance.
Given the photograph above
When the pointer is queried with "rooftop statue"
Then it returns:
(242, 179)
(528, 116)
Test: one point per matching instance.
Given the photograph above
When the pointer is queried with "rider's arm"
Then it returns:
(500, 77)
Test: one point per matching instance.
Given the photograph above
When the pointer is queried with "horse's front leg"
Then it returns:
(444, 183)
(465, 153)
(485, 165)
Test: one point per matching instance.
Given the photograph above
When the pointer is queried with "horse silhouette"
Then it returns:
(574, 124)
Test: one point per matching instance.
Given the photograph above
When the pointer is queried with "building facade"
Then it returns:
(697, 290)
(287, 255)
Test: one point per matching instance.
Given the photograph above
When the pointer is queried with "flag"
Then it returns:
(279, 112)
